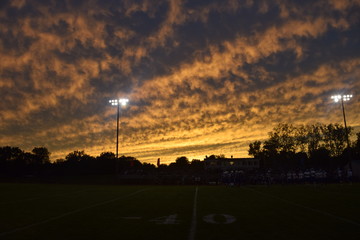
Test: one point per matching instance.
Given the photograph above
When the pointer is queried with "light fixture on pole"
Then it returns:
(118, 102)
(342, 99)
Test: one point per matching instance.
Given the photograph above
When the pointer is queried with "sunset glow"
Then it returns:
(199, 77)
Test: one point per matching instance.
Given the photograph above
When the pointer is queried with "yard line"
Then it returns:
(70, 213)
(193, 221)
(308, 208)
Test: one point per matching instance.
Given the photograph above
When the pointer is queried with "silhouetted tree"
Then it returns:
(74, 156)
(148, 168)
(41, 155)
(255, 149)
(88, 164)
(301, 159)
(335, 138)
(8, 154)
(197, 166)
(271, 148)
(106, 162)
(182, 161)
(320, 158)
(213, 157)
(284, 137)
(12, 161)
(314, 136)
(301, 138)
(107, 155)
(320, 142)
(127, 163)
(357, 146)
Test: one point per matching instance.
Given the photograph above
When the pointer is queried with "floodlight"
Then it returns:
(337, 98)
(343, 98)
(123, 101)
(117, 102)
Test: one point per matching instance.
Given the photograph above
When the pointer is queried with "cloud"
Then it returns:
(203, 77)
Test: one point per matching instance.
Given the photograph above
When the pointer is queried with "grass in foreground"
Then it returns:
(35, 211)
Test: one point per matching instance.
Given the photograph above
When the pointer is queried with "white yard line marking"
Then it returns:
(193, 221)
(69, 213)
(307, 208)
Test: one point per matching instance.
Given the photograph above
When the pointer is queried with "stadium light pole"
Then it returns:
(118, 102)
(342, 99)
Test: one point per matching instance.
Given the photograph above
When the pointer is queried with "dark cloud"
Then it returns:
(80, 51)
(203, 77)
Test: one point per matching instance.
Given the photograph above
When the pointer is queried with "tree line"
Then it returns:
(302, 146)
(15, 162)
(287, 147)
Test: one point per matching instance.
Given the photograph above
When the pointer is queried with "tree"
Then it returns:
(74, 156)
(357, 145)
(182, 161)
(125, 163)
(314, 137)
(320, 158)
(322, 143)
(41, 155)
(12, 160)
(301, 138)
(270, 148)
(8, 154)
(197, 165)
(335, 138)
(255, 149)
(106, 162)
(148, 167)
(106, 156)
(284, 135)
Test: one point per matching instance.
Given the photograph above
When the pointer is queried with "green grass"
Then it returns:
(41, 211)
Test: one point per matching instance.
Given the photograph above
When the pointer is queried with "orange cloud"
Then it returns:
(192, 95)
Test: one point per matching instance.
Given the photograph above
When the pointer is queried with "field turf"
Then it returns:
(51, 211)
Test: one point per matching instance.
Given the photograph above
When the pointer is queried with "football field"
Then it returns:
(55, 211)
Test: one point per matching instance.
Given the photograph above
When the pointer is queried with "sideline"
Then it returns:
(70, 213)
(305, 207)
(193, 220)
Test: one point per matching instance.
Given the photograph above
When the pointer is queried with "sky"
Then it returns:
(202, 77)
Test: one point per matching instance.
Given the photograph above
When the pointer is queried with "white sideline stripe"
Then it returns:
(69, 213)
(193, 220)
(308, 208)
